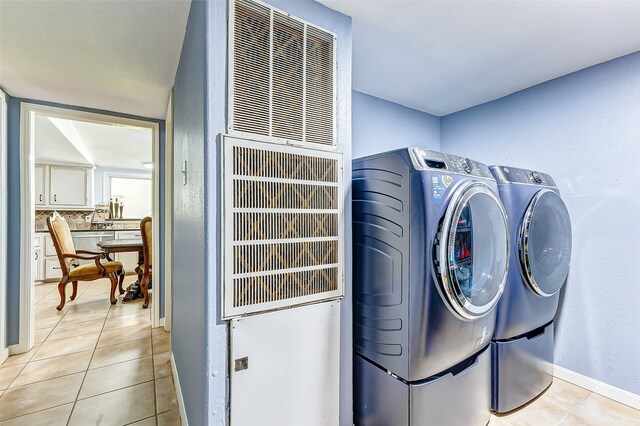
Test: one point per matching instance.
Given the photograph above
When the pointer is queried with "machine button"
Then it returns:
(468, 165)
(536, 177)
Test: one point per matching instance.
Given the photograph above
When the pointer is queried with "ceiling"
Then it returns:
(111, 146)
(118, 56)
(444, 56)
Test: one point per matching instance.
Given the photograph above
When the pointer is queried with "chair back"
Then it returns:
(62, 240)
(147, 246)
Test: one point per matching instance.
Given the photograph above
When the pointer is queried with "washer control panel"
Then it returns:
(514, 175)
(424, 159)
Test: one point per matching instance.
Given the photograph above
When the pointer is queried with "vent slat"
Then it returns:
(284, 244)
(283, 72)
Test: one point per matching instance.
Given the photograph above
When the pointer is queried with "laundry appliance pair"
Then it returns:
(431, 244)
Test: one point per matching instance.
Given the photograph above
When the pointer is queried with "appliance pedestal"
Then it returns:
(454, 398)
(521, 369)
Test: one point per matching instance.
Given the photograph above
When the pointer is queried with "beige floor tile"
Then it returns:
(499, 420)
(42, 334)
(78, 317)
(149, 421)
(64, 331)
(113, 337)
(162, 365)
(564, 395)
(169, 418)
(50, 368)
(115, 408)
(157, 330)
(117, 376)
(165, 395)
(126, 309)
(140, 318)
(8, 374)
(51, 417)
(538, 412)
(92, 306)
(22, 358)
(161, 343)
(47, 321)
(598, 410)
(39, 396)
(121, 352)
(66, 346)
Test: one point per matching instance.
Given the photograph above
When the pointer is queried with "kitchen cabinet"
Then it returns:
(60, 186)
(38, 258)
(130, 259)
(52, 270)
(40, 186)
(69, 186)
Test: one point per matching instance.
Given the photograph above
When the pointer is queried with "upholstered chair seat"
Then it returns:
(92, 269)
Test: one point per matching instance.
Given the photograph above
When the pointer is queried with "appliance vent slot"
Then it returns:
(282, 73)
(283, 226)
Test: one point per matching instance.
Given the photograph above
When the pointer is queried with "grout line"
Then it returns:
(37, 411)
(87, 369)
(115, 390)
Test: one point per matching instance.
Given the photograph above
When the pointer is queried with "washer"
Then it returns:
(522, 345)
(430, 258)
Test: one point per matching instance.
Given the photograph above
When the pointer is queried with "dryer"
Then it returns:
(522, 345)
(430, 257)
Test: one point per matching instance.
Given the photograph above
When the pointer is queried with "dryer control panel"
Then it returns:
(514, 175)
(424, 159)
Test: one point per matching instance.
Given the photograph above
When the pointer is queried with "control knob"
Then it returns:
(536, 177)
(468, 165)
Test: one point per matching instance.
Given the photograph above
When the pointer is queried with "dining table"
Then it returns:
(110, 247)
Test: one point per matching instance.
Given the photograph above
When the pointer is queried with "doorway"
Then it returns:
(47, 180)
(3, 221)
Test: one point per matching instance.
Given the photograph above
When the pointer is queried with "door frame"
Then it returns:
(4, 353)
(168, 213)
(28, 112)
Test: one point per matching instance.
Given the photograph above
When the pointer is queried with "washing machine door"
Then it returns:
(544, 243)
(472, 251)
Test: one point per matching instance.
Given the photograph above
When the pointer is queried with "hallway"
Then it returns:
(93, 363)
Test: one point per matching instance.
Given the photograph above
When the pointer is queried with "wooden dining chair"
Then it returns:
(147, 247)
(69, 257)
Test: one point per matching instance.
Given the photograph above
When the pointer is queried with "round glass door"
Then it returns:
(544, 243)
(473, 251)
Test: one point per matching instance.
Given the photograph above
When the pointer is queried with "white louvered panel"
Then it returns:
(282, 77)
(251, 73)
(320, 90)
(283, 226)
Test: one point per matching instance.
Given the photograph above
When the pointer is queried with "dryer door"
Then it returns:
(472, 253)
(544, 243)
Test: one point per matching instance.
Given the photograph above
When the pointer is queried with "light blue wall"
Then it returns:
(380, 126)
(13, 243)
(190, 288)
(584, 130)
(200, 338)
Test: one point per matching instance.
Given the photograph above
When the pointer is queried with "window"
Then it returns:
(136, 193)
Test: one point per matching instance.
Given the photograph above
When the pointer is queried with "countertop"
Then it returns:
(75, 230)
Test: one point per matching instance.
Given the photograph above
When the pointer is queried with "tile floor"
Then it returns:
(569, 405)
(93, 364)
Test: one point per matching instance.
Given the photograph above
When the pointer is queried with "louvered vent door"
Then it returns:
(283, 226)
(282, 79)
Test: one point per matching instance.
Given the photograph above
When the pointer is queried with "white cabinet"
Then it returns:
(129, 259)
(52, 268)
(40, 185)
(60, 186)
(38, 258)
(69, 186)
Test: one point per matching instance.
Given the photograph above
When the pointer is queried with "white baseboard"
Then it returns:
(620, 395)
(4, 354)
(162, 324)
(16, 349)
(176, 383)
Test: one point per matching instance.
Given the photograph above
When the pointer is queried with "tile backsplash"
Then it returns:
(76, 220)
